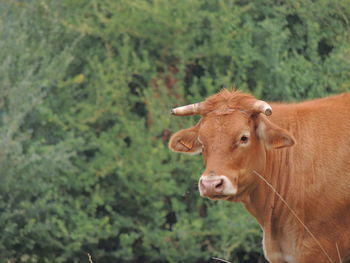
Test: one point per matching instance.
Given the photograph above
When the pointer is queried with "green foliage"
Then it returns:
(85, 93)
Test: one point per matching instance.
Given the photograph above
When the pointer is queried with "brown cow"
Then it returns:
(291, 170)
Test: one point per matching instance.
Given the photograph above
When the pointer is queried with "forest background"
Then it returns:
(85, 92)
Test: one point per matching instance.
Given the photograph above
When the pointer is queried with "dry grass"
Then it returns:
(222, 260)
(90, 258)
(336, 245)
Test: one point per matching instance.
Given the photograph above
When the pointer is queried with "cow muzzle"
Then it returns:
(216, 186)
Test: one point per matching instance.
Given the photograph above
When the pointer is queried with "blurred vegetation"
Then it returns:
(85, 93)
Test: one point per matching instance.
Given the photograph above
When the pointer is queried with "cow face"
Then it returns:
(233, 144)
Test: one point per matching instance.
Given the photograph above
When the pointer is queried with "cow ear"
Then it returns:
(273, 136)
(186, 141)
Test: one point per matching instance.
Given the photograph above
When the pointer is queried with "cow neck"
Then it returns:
(263, 203)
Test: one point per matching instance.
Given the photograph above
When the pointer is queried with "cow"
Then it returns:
(290, 169)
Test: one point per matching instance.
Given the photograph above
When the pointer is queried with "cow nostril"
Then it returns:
(211, 186)
(219, 184)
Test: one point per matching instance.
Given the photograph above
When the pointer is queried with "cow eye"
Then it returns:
(244, 139)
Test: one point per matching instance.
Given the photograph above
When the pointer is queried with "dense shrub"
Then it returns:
(85, 93)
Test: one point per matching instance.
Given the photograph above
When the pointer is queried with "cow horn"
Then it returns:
(263, 107)
(187, 110)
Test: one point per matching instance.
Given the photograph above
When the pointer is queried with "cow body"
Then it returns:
(302, 151)
(313, 177)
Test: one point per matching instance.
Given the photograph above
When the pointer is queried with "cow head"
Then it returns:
(233, 137)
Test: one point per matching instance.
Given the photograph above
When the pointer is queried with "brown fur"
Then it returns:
(227, 100)
(313, 176)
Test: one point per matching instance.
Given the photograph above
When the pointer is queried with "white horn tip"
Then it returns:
(263, 107)
(268, 111)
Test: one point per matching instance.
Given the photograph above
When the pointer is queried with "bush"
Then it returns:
(86, 88)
